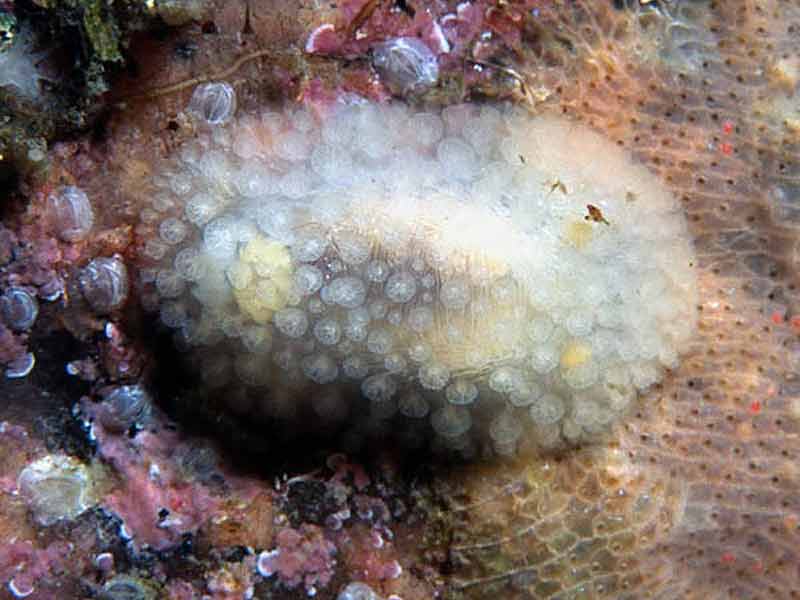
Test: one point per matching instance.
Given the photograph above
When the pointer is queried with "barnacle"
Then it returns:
(124, 587)
(406, 65)
(213, 102)
(56, 487)
(126, 405)
(21, 366)
(71, 213)
(357, 591)
(104, 283)
(19, 308)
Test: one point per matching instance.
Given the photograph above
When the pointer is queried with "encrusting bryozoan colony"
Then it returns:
(468, 276)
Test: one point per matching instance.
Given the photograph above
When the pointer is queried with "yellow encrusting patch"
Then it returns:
(266, 256)
(252, 306)
(575, 354)
(269, 291)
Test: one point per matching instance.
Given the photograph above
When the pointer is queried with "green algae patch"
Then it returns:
(102, 31)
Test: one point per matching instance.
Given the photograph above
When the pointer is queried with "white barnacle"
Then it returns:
(55, 487)
(214, 102)
(406, 65)
(19, 308)
(71, 212)
(104, 284)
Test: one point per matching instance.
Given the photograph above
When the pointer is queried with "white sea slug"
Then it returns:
(483, 276)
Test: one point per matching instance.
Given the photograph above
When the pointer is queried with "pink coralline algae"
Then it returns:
(156, 503)
(458, 42)
(16, 443)
(118, 357)
(157, 506)
(121, 359)
(39, 260)
(160, 498)
(355, 540)
(370, 555)
(19, 309)
(31, 565)
(179, 589)
(165, 488)
(232, 581)
(23, 566)
(301, 556)
(32, 259)
(362, 23)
